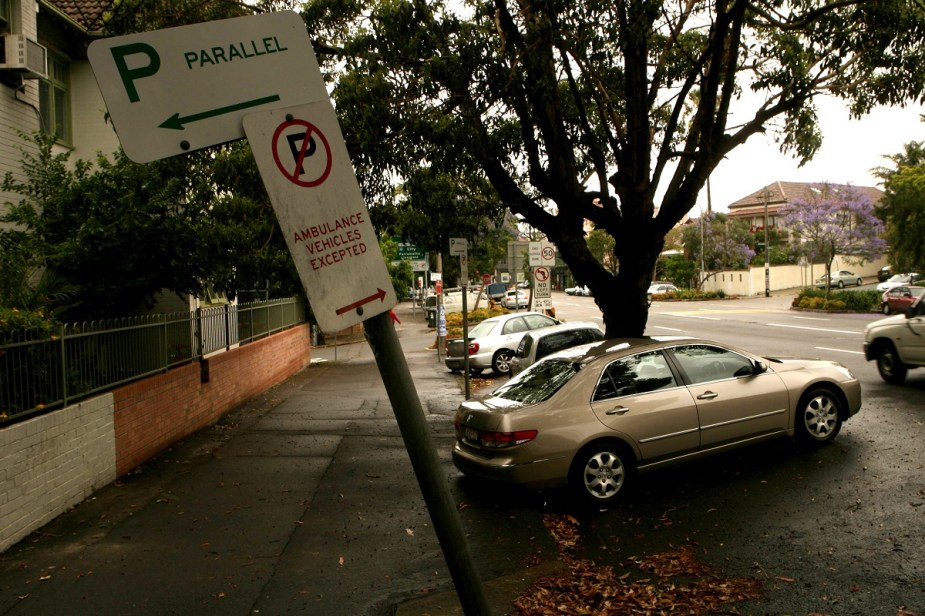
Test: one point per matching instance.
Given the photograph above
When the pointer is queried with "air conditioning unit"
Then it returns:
(24, 56)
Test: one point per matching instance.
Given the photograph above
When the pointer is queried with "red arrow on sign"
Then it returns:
(379, 294)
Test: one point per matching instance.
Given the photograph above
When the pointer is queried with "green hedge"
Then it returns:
(839, 301)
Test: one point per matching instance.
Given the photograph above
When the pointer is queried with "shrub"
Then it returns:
(852, 301)
(17, 321)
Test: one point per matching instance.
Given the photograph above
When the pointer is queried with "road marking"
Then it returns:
(839, 350)
(816, 329)
(812, 319)
(671, 329)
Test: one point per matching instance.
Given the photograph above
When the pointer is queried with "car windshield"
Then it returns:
(538, 382)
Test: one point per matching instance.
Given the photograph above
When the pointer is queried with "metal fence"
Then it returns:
(38, 373)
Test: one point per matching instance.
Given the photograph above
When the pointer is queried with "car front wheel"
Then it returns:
(885, 308)
(860, 282)
(841, 284)
(600, 473)
(891, 368)
(501, 362)
(819, 416)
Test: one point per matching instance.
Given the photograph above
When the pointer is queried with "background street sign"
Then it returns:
(410, 252)
(547, 254)
(176, 90)
(458, 246)
(304, 164)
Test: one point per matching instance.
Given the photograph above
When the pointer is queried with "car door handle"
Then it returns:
(707, 395)
(619, 410)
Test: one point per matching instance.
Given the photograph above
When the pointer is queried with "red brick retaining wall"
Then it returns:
(152, 414)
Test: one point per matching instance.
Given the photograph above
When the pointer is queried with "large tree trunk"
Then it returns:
(621, 298)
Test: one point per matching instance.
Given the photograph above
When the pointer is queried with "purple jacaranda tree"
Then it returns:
(836, 220)
(718, 243)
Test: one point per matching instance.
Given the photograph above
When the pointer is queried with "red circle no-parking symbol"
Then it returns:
(298, 155)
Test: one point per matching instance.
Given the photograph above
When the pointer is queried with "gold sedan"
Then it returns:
(593, 416)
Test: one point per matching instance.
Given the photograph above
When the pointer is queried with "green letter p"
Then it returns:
(129, 75)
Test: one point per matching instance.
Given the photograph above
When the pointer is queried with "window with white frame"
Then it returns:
(54, 98)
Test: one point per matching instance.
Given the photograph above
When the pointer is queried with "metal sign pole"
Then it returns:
(465, 310)
(410, 416)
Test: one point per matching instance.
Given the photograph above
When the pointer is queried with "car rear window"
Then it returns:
(482, 329)
(538, 382)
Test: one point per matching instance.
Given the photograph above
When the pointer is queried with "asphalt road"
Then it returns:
(835, 530)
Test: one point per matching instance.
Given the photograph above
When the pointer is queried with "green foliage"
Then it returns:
(15, 321)
(118, 232)
(544, 108)
(399, 271)
(682, 272)
(838, 301)
(242, 248)
(902, 208)
(601, 244)
(102, 240)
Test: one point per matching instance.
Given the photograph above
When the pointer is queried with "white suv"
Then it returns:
(897, 343)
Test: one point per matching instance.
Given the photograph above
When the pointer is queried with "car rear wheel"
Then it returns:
(501, 362)
(885, 308)
(601, 472)
(891, 368)
(819, 416)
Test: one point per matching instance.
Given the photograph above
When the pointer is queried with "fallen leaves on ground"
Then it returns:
(673, 581)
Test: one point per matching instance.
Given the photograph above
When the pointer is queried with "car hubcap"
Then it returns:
(504, 363)
(604, 475)
(820, 417)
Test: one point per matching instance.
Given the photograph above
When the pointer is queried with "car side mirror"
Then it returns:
(760, 367)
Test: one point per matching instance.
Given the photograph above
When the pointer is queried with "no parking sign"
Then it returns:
(304, 164)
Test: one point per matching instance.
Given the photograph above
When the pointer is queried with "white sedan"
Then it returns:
(515, 299)
(899, 280)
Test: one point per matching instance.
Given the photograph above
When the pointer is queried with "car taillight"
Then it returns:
(473, 348)
(499, 440)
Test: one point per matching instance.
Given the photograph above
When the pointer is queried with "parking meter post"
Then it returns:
(380, 332)
(465, 347)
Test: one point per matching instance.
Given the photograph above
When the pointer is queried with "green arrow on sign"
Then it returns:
(176, 121)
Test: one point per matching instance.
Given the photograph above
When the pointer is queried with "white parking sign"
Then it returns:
(304, 164)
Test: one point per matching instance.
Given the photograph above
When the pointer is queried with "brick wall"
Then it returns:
(53, 462)
(152, 414)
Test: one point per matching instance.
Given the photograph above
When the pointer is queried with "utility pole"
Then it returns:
(767, 247)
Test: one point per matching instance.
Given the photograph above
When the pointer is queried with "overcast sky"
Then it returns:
(850, 149)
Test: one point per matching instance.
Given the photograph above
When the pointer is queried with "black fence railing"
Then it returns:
(38, 373)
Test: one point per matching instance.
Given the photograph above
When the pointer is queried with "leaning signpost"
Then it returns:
(182, 89)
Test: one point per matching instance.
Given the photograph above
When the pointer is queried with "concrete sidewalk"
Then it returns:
(302, 501)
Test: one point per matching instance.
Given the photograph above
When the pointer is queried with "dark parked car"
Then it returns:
(884, 273)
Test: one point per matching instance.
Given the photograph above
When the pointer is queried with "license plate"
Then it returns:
(472, 435)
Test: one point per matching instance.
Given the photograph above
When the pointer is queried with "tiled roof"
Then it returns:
(87, 14)
(778, 193)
